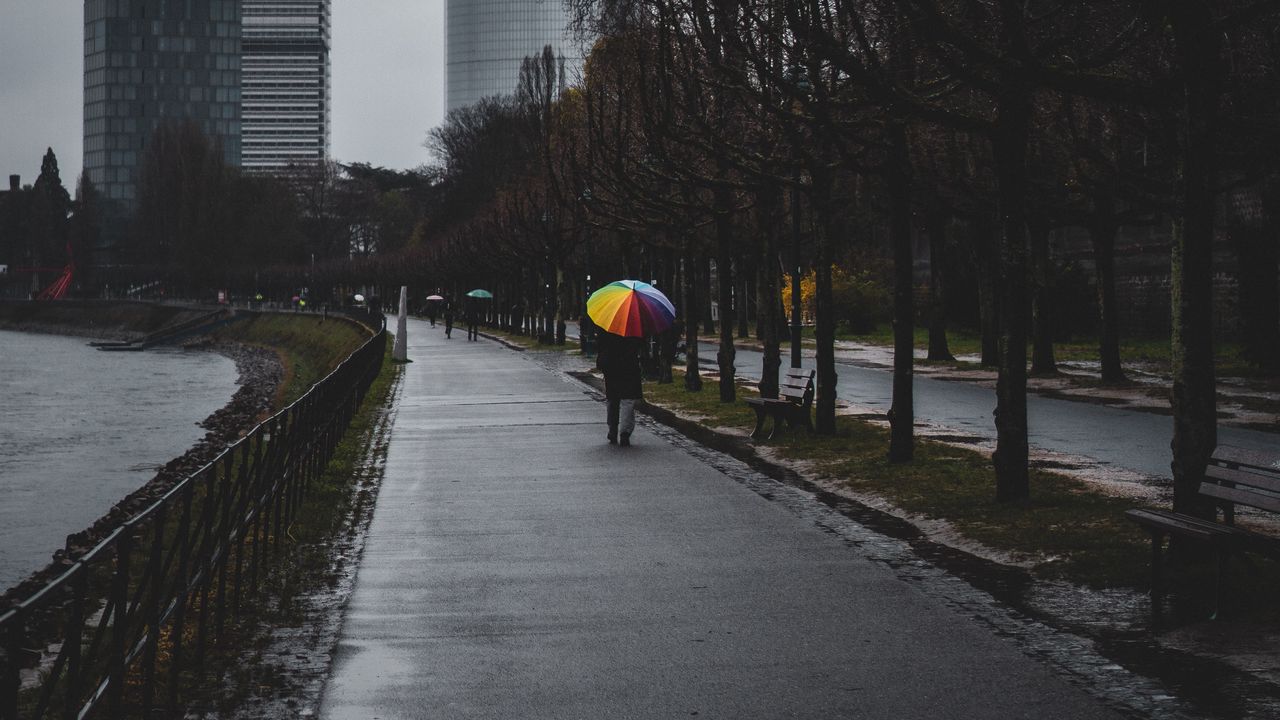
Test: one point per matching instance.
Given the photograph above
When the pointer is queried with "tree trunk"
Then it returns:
(704, 270)
(724, 275)
(666, 356)
(981, 240)
(761, 303)
(1043, 361)
(560, 289)
(549, 289)
(1194, 402)
(902, 412)
(692, 375)
(824, 320)
(768, 297)
(1102, 235)
(1193, 399)
(1010, 150)
(741, 298)
(936, 229)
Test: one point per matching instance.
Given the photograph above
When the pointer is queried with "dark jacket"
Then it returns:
(619, 360)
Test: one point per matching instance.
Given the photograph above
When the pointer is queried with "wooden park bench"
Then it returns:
(795, 397)
(1235, 476)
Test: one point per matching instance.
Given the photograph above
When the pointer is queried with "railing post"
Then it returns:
(223, 536)
(280, 488)
(205, 553)
(279, 485)
(248, 484)
(73, 637)
(155, 567)
(182, 585)
(257, 489)
(120, 625)
(11, 641)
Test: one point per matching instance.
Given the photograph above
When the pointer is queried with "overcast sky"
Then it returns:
(387, 64)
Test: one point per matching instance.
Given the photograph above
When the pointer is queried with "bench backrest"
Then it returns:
(1237, 475)
(797, 386)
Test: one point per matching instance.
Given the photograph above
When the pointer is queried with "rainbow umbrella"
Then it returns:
(630, 308)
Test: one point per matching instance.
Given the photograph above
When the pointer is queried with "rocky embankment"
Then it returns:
(260, 374)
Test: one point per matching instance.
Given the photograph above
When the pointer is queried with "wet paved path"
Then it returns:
(517, 566)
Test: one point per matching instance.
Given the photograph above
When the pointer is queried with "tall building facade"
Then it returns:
(285, 84)
(486, 40)
(148, 62)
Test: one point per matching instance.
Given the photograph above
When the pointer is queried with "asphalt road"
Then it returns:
(517, 566)
(1137, 441)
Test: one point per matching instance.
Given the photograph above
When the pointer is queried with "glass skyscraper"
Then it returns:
(147, 62)
(486, 40)
(285, 84)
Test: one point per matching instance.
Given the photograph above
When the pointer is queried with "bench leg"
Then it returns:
(1157, 571)
(777, 420)
(1217, 582)
(760, 414)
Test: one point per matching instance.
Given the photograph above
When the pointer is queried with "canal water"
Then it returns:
(80, 429)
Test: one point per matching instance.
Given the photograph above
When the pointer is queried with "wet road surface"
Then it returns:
(1126, 439)
(517, 566)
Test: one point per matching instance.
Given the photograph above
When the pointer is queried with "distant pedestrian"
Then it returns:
(473, 329)
(619, 359)
(448, 321)
(431, 312)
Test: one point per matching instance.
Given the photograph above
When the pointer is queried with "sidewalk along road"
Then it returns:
(1124, 439)
(518, 566)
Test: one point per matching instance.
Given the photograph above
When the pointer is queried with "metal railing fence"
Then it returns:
(132, 618)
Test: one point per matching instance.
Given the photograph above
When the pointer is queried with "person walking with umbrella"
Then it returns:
(473, 332)
(432, 310)
(619, 360)
(472, 314)
(626, 311)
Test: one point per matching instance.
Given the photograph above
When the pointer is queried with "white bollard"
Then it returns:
(400, 351)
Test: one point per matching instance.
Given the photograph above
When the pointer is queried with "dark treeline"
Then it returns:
(200, 225)
(726, 148)
(716, 146)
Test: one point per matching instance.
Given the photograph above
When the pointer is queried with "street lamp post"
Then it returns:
(587, 328)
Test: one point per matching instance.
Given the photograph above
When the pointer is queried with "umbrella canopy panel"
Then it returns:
(631, 308)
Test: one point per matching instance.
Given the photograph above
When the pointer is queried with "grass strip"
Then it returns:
(309, 345)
